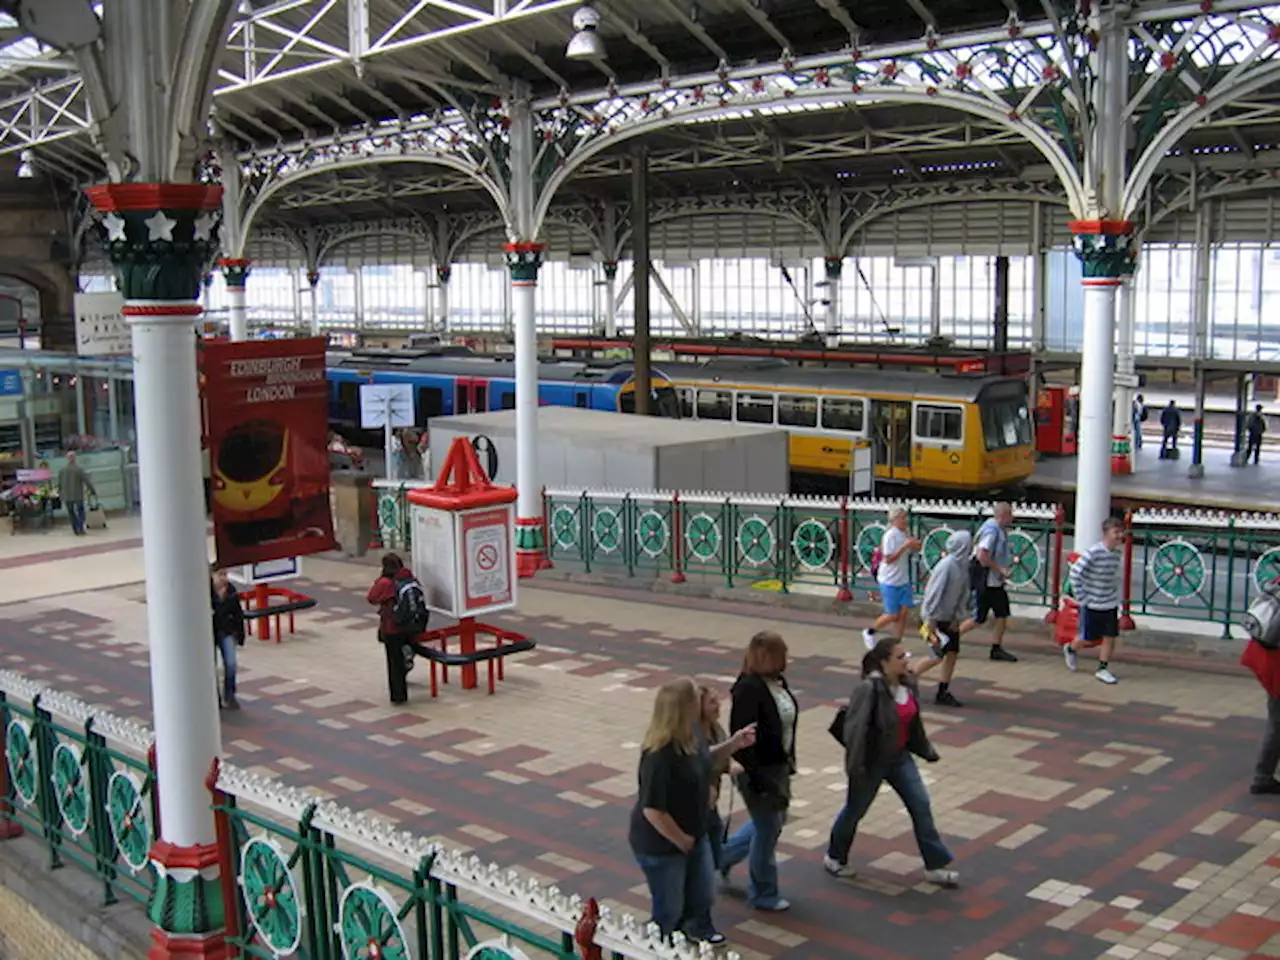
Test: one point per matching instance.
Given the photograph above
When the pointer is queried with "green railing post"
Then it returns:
(629, 545)
(10, 829)
(586, 540)
(728, 541)
(97, 772)
(1231, 576)
(435, 891)
(50, 818)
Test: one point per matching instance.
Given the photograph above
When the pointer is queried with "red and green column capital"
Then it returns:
(313, 278)
(834, 267)
(444, 272)
(610, 270)
(1106, 249)
(186, 903)
(160, 237)
(523, 260)
(235, 271)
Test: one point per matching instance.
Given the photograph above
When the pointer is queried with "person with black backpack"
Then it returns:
(402, 617)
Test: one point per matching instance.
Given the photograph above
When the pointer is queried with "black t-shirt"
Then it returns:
(677, 784)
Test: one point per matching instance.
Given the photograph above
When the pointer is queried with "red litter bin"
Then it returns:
(1067, 627)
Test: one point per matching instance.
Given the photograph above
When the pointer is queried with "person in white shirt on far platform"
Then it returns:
(1095, 580)
(894, 574)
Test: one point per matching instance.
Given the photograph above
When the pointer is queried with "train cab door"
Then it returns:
(470, 396)
(891, 439)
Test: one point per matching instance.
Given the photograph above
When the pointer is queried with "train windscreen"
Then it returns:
(665, 403)
(1006, 417)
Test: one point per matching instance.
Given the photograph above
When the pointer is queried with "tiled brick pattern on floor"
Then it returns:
(1088, 821)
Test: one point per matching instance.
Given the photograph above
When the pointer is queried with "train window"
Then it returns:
(686, 402)
(509, 400)
(715, 405)
(1006, 422)
(795, 411)
(349, 400)
(841, 413)
(755, 408)
(430, 404)
(938, 423)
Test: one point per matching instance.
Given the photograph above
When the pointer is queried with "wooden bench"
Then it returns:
(505, 644)
(257, 607)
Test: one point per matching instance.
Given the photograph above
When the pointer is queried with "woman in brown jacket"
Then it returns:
(881, 731)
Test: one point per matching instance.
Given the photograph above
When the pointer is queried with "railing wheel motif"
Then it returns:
(502, 949)
(1026, 559)
(1266, 568)
(1178, 570)
(270, 896)
(70, 789)
(368, 925)
(564, 527)
(933, 547)
(24, 766)
(702, 537)
(813, 545)
(652, 533)
(127, 815)
(606, 529)
(868, 541)
(755, 541)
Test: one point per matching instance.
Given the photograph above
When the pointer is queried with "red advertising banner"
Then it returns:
(267, 421)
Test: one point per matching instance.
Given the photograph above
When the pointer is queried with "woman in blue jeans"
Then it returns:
(228, 633)
(882, 729)
(763, 701)
(668, 832)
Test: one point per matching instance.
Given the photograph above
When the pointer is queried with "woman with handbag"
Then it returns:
(880, 729)
(714, 735)
(228, 632)
(762, 698)
(668, 832)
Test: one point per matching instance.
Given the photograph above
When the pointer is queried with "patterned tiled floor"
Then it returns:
(1088, 821)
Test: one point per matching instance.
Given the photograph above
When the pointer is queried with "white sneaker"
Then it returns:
(943, 877)
(838, 869)
(1106, 676)
(1070, 656)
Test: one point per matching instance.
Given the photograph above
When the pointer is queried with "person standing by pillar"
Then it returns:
(1255, 428)
(1139, 418)
(72, 483)
(1170, 425)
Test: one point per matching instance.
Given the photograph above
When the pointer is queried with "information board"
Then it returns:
(489, 567)
(435, 559)
(101, 330)
(10, 383)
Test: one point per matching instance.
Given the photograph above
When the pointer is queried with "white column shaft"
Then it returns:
(184, 702)
(239, 313)
(1123, 416)
(442, 306)
(1093, 463)
(610, 307)
(529, 502)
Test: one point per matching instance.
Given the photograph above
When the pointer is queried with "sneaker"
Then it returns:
(1268, 787)
(944, 877)
(946, 698)
(231, 703)
(1002, 655)
(1106, 676)
(869, 638)
(778, 906)
(1070, 656)
(846, 872)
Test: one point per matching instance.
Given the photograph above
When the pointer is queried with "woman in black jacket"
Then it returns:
(761, 697)
(228, 632)
(882, 729)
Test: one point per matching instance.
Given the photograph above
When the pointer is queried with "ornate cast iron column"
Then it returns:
(523, 260)
(235, 271)
(834, 268)
(160, 237)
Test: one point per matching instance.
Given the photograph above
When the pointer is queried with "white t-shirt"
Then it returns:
(898, 573)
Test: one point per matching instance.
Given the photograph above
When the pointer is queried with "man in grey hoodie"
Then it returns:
(945, 613)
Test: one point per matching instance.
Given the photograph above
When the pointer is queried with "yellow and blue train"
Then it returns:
(970, 434)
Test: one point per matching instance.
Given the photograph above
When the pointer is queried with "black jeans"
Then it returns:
(1269, 756)
(1253, 448)
(393, 645)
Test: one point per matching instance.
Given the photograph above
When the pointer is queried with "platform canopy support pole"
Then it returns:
(610, 268)
(313, 281)
(1104, 244)
(641, 268)
(1123, 442)
(833, 268)
(148, 80)
(444, 272)
(524, 258)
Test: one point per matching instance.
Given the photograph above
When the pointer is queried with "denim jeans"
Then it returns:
(1137, 432)
(757, 842)
(715, 837)
(902, 775)
(682, 888)
(227, 647)
(75, 510)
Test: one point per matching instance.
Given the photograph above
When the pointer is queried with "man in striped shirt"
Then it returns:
(1095, 580)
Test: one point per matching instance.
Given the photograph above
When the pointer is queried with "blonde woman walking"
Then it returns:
(668, 833)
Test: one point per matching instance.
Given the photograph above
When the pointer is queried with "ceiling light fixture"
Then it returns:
(26, 168)
(586, 43)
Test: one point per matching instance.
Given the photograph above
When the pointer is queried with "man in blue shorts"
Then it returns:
(894, 574)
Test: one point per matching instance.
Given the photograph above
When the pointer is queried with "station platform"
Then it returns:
(1157, 482)
(1087, 821)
